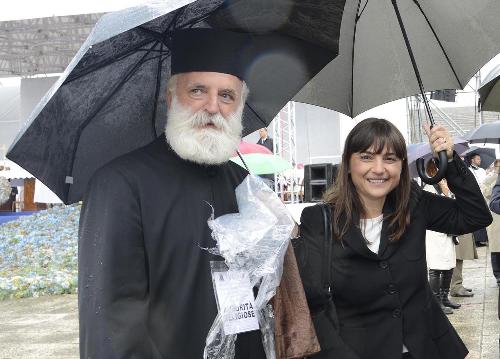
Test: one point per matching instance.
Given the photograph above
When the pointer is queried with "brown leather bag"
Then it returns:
(294, 333)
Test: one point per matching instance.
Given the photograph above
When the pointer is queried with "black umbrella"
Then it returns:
(487, 133)
(390, 49)
(487, 155)
(489, 92)
(110, 99)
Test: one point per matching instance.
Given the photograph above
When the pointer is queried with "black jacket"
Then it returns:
(382, 301)
(268, 143)
(145, 289)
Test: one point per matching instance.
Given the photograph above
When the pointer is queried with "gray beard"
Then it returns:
(186, 135)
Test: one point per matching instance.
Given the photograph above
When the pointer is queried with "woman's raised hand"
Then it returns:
(439, 140)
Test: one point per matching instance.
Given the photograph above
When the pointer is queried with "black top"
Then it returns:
(268, 143)
(145, 289)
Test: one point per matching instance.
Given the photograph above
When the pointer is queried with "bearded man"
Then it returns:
(145, 287)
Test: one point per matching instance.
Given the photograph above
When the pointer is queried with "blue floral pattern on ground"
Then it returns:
(38, 253)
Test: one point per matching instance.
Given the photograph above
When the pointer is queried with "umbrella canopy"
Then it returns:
(489, 92)
(247, 147)
(110, 100)
(261, 164)
(451, 41)
(423, 150)
(487, 133)
(487, 155)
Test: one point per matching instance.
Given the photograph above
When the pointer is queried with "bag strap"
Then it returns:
(327, 247)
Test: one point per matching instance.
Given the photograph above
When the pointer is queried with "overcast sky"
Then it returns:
(28, 9)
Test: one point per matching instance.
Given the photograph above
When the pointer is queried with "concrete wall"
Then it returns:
(394, 112)
(32, 91)
(16, 103)
(9, 116)
(320, 134)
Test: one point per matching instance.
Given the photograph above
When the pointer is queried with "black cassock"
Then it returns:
(145, 288)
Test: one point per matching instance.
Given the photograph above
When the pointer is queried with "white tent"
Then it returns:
(13, 171)
(16, 174)
(44, 195)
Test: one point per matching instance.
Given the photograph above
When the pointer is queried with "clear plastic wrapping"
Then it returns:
(253, 241)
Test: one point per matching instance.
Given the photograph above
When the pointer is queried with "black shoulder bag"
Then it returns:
(326, 322)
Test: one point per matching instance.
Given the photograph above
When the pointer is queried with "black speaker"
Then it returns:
(317, 178)
(444, 95)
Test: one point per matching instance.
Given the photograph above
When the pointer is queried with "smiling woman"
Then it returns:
(378, 301)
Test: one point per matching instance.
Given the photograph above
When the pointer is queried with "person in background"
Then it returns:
(494, 228)
(379, 303)
(480, 236)
(495, 207)
(440, 251)
(265, 140)
(479, 173)
(465, 250)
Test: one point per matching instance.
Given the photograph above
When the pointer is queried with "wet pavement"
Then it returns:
(47, 327)
(477, 320)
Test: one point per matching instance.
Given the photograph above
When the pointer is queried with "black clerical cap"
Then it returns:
(209, 50)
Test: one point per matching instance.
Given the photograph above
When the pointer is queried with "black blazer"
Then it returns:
(382, 301)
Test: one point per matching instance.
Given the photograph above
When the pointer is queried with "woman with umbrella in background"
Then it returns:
(440, 251)
(495, 207)
(366, 283)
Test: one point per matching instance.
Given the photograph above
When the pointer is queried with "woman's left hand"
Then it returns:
(439, 140)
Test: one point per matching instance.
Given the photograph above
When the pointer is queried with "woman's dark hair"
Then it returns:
(376, 133)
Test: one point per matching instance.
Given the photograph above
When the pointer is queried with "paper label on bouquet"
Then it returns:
(236, 301)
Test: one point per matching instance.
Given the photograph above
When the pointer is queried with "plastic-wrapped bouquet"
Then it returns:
(253, 243)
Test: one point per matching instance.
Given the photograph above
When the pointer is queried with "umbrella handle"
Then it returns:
(443, 164)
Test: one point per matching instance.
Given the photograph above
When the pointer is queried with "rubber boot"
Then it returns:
(435, 284)
(445, 289)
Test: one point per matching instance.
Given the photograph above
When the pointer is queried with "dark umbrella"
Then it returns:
(489, 92)
(110, 99)
(423, 150)
(390, 49)
(487, 133)
(487, 155)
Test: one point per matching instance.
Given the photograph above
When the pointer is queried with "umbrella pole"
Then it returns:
(443, 159)
(413, 63)
(243, 161)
